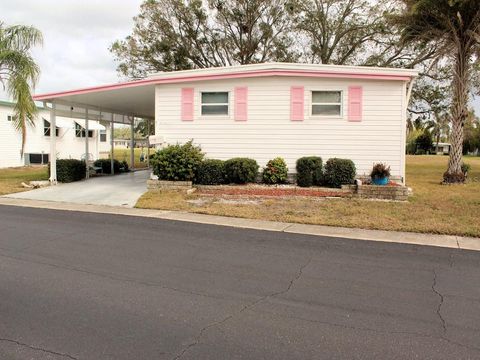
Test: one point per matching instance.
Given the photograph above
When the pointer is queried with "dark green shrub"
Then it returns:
(241, 170)
(177, 162)
(124, 166)
(70, 170)
(211, 172)
(309, 171)
(106, 166)
(424, 141)
(275, 172)
(339, 172)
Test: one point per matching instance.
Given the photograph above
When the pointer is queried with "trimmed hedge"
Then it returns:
(70, 170)
(211, 172)
(106, 166)
(309, 171)
(275, 172)
(177, 162)
(241, 170)
(339, 172)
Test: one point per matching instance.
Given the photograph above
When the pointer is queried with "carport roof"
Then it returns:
(137, 97)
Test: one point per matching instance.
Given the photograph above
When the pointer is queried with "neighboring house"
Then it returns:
(441, 148)
(125, 143)
(70, 138)
(267, 110)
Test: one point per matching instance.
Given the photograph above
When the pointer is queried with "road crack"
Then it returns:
(202, 331)
(16, 342)
(439, 307)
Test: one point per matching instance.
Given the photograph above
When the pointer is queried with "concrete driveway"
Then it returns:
(118, 190)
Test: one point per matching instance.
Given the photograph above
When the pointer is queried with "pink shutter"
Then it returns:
(355, 99)
(241, 103)
(187, 104)
(296, 103)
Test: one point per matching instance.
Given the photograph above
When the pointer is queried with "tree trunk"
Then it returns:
(460, 87)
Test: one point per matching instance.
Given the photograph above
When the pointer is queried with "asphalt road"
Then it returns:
(89, 286)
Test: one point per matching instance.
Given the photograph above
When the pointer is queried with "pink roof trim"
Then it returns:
(245, 74)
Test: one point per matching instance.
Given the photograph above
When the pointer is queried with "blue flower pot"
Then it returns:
(380, 181)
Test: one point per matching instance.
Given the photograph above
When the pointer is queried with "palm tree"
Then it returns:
(19, 73)
(455, 26)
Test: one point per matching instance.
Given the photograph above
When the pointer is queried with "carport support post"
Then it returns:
(87, 174)
(112, 168)
(132, 143)
(148, 143)
(53, 146)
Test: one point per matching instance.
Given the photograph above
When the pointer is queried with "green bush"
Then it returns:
(339, 172)
(70, 170)
(105, 164)
(241, 170)
(124, 166)
(424, 142)
(211, 172)
(466, 168)
(275, 172)
(177, 162)
(309, 171)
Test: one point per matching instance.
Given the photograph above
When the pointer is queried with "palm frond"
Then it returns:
(19, 73)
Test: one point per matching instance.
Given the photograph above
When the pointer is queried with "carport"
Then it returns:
(121, 103)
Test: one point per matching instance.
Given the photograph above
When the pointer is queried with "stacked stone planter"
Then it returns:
(168, 185)
(396, 193)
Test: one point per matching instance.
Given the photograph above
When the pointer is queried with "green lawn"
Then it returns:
(11, 178)
(434, 208)
(124, 154)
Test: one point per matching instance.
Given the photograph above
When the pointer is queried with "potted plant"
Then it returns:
(380, 174)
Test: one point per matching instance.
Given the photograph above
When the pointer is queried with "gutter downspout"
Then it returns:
(407, 101)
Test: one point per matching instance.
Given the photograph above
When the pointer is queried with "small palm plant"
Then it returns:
(19, 73)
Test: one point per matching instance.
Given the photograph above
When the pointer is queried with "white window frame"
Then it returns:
(81, 132)
(100, 133)
(341, 103)
(215, 116)
(49, 129)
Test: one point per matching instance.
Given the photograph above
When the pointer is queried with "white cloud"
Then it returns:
(77, 35)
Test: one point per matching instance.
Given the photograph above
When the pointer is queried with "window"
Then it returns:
(9, 117)
(103, 135)
(46, 128)
(37, 158)
(327, 103)
(215, 103)
(80, 131)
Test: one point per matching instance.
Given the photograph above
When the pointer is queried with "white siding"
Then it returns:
(269, 132)
(10, 140)
(68, 146)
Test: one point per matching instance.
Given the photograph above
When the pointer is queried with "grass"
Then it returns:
(434, 208)
(124, 154)
(11, 178)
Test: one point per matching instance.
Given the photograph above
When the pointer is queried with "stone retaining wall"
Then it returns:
(397, 193)
(168, 185)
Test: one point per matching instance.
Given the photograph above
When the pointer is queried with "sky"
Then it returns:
(77, 35)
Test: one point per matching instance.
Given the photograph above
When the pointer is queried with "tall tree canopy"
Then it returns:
(18, 72)
(174, 35)
(454, 26)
